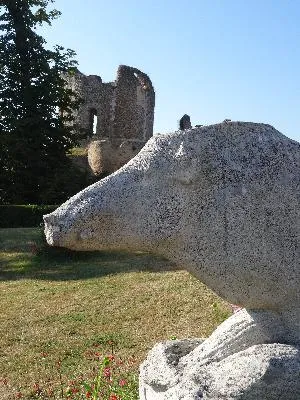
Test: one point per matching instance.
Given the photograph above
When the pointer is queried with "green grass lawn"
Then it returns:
(61, 306)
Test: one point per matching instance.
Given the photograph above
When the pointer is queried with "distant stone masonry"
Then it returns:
(185, 122)
(125, 115)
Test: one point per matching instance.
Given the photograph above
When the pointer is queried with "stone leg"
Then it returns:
(261, 372)
(240, 331)
(174, 365)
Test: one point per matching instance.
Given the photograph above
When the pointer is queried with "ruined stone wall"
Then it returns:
(135, 100)
(125, 115)
(97, 100)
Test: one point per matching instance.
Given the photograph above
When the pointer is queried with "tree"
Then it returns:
(35, 136)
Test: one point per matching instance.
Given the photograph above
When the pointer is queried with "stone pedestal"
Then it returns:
(107, 156)
(243, 359)
(261, 372)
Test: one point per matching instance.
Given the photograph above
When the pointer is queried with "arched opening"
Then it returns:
(93, 121)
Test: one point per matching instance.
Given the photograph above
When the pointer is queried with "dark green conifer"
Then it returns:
(35, 136)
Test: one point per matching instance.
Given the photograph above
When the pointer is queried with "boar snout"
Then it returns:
(49, 219)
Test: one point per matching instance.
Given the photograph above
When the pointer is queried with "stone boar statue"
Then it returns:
(221, 201)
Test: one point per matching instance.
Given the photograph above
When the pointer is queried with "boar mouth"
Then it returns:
(52, 230)
(52, 233)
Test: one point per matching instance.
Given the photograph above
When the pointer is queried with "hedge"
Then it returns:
(23, 216)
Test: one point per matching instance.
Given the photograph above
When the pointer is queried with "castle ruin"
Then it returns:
(118, 116)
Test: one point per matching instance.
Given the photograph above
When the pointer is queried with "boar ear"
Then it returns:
(187, 164)
(185, 151)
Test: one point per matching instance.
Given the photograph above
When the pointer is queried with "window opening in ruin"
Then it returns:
(93, 121)
(95, 125)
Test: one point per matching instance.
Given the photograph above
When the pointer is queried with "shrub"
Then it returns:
(23, 216)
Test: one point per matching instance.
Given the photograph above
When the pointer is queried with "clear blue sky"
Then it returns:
(211, 59)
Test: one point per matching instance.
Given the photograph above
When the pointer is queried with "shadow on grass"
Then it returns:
(29, 259)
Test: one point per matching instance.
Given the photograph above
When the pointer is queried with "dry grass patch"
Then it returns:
(63, 303)
(79, 151)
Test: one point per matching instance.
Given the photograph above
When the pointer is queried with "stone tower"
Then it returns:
(124, 111)
(185, 122)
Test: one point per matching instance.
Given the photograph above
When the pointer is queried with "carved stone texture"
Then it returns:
(223, 202)
(124, 111)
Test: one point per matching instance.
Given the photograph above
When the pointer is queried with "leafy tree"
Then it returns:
(35, 136)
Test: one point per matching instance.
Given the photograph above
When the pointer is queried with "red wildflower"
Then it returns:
(36, 388)
(88, 394)
(122, 382)
(236, 308)
(113, 397)
(111, 357)
(107, 372)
